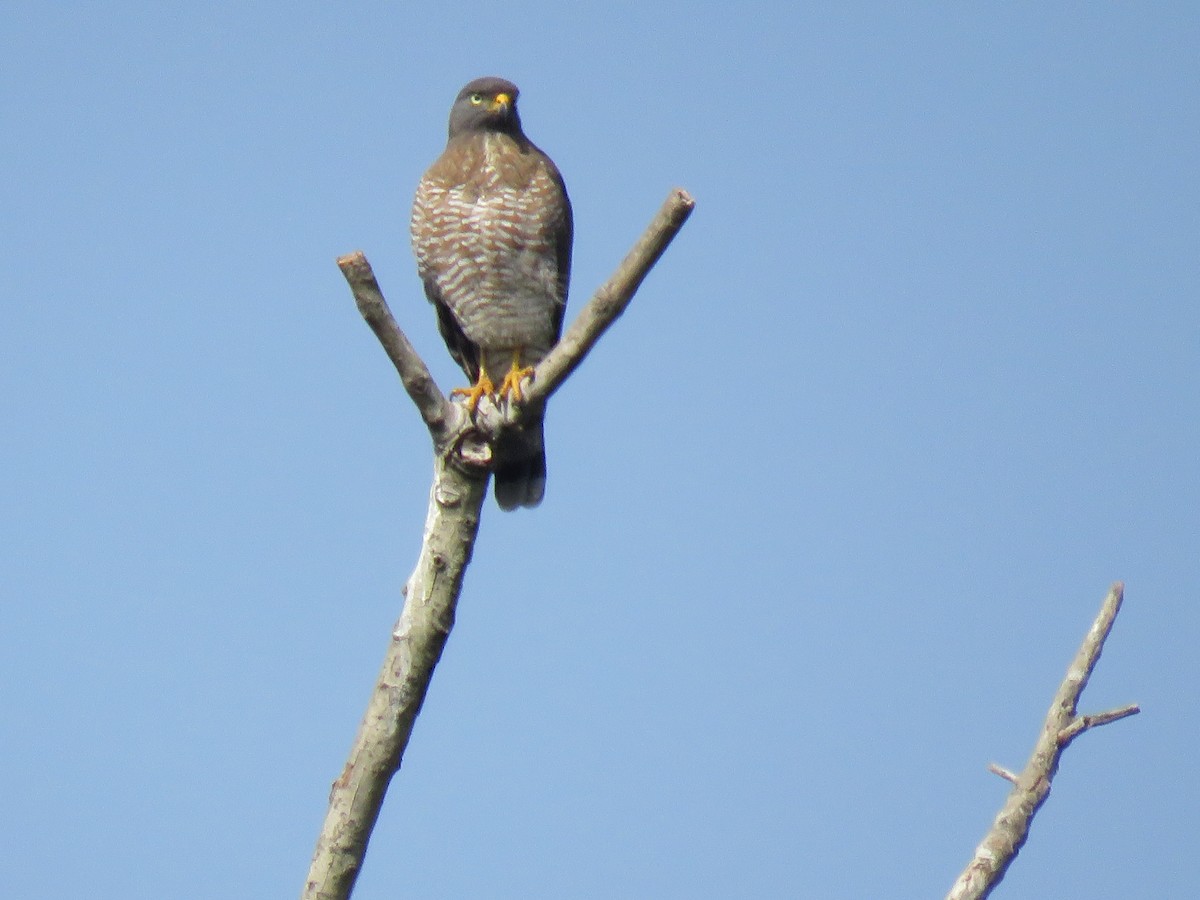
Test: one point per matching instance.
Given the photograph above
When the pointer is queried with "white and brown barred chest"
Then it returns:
(489, 241)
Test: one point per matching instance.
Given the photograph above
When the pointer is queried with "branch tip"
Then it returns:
(1080, 724)
(1002, 772)
(432, 404)
(610, 299)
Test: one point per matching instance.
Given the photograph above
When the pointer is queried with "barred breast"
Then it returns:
(486, 223)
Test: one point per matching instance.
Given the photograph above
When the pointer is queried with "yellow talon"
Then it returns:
(483, 385)
(511, 385)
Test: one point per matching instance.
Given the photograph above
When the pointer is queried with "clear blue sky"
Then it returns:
(829, 509)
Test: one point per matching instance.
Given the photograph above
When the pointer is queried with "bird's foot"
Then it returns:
(482, 386)
(511, 385)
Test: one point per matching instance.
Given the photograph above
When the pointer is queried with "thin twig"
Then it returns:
(996, 769)
(1010, 829)
(1083, 723)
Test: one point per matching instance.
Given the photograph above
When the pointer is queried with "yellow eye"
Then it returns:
(476, 99)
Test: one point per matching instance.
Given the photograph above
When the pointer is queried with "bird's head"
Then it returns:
(486, 104)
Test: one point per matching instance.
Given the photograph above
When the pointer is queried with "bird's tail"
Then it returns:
(521, 480)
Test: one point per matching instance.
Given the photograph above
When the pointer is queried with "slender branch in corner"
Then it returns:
(451, 524)
(1063, 724)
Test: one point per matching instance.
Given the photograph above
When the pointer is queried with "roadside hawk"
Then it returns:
(491, 230)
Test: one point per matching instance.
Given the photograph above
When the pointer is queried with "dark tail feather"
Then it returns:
(522, 482)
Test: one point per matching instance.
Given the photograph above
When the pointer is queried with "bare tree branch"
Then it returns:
(415, 648)
(462, 455)
(435, 409)
(1010, 829)
(611, 299)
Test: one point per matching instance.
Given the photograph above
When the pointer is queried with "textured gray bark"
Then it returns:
(462, 454)
(1031, 787)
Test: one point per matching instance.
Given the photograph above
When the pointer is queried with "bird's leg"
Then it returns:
(483, 385)
(511, 385)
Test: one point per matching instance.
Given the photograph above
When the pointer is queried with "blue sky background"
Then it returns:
(829, 509)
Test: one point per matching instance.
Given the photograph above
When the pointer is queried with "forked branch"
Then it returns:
(461, 457)
(1032, 786)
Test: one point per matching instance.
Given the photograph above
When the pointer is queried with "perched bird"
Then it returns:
(491, 230)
